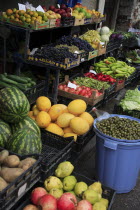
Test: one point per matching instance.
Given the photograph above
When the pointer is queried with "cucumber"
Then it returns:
(4, 84)
(3, 78)
(18, 79)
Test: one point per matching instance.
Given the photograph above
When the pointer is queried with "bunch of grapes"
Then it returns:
(81, 44)
(54, 54)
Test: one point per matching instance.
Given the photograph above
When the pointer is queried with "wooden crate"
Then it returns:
(79, 22)
(92, 54)
(55, 23)
(119, 86)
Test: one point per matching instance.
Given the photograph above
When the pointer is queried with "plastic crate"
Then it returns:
(109, 91)
(54, 151)
(36, 91)
(113, 44)
(108, 193)
(22, 184)
(78, 145)
(133, 113)
(67, 21)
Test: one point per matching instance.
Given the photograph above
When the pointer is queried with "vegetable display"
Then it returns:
(12, 167)
(132, 56)
(23, 83)
(92, 83)
(92, 37)
(101, 77)
(64, 190)
(120, 128)
(114, 68)
(131, 100)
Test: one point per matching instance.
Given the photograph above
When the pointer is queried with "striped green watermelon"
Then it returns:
(27, 121)
(5, 133)
(14, 105)
(25, 141)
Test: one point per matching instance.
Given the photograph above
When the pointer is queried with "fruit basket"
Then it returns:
(36, 91)
(108, 193)
(77, 146)
(16, 189)
(55, 150)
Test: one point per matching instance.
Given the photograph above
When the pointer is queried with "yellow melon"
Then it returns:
(43, 103)
(64, 120)
(33, 107)
(79, 125)
(86, 116)
(77, 106)
(43, 119)
(64, 108)
(30, 114)
(55, 111)
(70, 135)
(54, 128)
(35, 111)
(67, 130)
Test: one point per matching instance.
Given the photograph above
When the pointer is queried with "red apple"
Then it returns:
(84, 205)
(67, 202)
(63, 6)
(37, 193)
(30, 207)
(62, 10)
(48, 202)
(64, 14)
(51, 7)
(55, 10)
(68, 14)
(68, 10)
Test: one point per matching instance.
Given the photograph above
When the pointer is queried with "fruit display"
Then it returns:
(28, 16)
(92, 37)
(63, 11)
(120, 128)
(63, 191)
(18, 132)
(62, 120)
(54, 54)
(72, 49)
(100, 77)
(12, 167)
(81, 12)
(70, 40)
(23, 83)
(114, 68)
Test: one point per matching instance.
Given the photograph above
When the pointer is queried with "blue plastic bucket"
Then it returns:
(117, 162)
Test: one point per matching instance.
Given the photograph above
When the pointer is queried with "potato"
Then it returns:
(30, 207)
(3, 184)
(26, 163)
(3, 155)
(10, 174)
(11, 161)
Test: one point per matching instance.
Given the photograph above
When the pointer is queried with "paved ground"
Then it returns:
(86, 166)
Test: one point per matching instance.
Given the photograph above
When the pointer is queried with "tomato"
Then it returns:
(77, 92)
(64, 86)
(66, 89)
(83, 92)
(86, 95)
(61, 87)
(79, 89)
(72, 90)
(74, 82)
(87, 89)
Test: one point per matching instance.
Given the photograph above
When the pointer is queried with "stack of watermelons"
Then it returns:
(18, 132)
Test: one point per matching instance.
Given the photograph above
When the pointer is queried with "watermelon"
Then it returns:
(25, 141)
(27, 121)
(5, 133)
(14, 105)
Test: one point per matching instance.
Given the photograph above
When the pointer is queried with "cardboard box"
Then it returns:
(79, 22)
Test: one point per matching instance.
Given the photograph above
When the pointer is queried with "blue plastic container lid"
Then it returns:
(112, 138)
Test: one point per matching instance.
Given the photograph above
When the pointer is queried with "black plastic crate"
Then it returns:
(113, 44)
(131, 78)
(36, 91)
(108, 193)
(67, 21)
(54, 151)
(109, 91)
(77, 146)
(22, 184)
(133, 113)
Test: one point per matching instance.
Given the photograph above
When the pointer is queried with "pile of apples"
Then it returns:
(52, 197)
(63, 11)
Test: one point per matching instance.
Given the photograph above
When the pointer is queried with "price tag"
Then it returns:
(58, 6)
(22, 189)
(93, 72)
(82, 59)
(71, 85)
(21, 7)
(40, 9)
(33, 51)
(102, 43)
